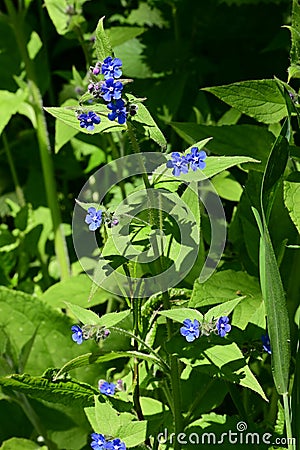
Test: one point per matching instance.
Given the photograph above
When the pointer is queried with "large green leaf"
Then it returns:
(224, 286)
(133, 433)
(223, 360)
(270, 279)
(291, 189)
(74, 290)
(21, 314)
(65, 391)
(230, 140)
(119, 35)
(260, 99)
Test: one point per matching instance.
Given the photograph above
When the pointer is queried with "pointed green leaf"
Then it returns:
(224, 309)
(20, 443)
(102, 43)
(260, 99)
(66, 392)
(68, 115)
(134, 433)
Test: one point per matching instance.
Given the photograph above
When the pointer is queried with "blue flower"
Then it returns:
(87, 120)
(111, 90)
(106, 388)
(266, 343)
(196, 159)
(98, 442)
(116, 444)
(190, 330)
(93, 219)
(111, 67)
(77, 335)
(223, 326)
(178, 164)
(118, 111)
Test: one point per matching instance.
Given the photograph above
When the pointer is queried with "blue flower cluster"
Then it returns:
(181, 163)
(100, 443)
(89, 120)
(106, 388)
(93, 218)
(111, 88)
(191, 330)
(88, 332)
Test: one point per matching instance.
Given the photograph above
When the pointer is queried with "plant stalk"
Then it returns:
(19, 190)
(287, 419)
(43, 142)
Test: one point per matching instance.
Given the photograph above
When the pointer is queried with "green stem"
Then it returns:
(287, 419)
(175, 378)
(19, 190)
(44, 144)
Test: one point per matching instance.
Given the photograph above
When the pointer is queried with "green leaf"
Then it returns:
(96, 358)
(291, 191)
(20, 443)
(260, 99)
(57, 12)
(74, 290)
(107, 419)
(214, 165)
(63, 132)
(227, 187)
(66, 392)
(10, 103)
(270, 279)
(231, 364)
(224, 286)
(21, 314)
(119, 35)
(69, 117)
(102, 43)
(180, 314)
(134, 433)
(89, 317)
(222, 310)
(274, 297)
(150, 127)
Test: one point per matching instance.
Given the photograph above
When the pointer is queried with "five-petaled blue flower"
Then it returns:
(223, 326)
(190, 330)
(178, 163)
(118, 111)
(266, 343)
(116, 444)
(111, 90)
(196, 159)
(111, 67)
(89, 120)
(99, 442)
(93, 219)
(77, 335)
(106, 388)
